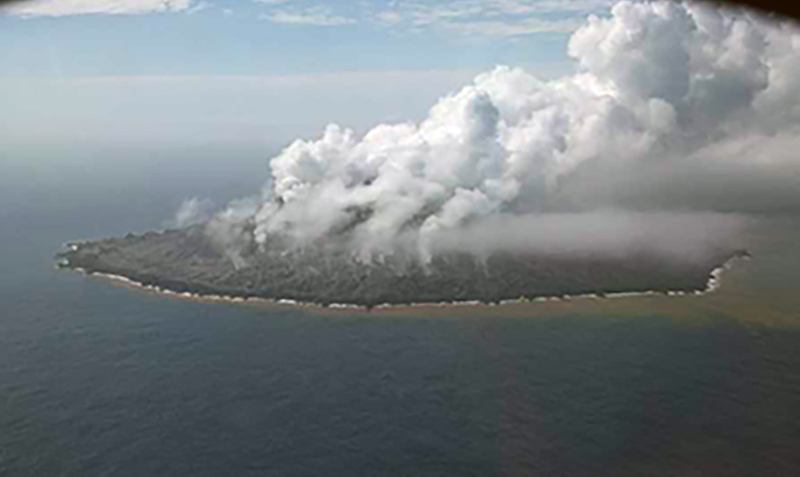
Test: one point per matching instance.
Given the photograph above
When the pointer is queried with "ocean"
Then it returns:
(99, 379)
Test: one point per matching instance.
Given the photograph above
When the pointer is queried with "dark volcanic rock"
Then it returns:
(187, 261)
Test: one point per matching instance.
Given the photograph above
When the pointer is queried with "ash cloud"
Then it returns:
(678, 107)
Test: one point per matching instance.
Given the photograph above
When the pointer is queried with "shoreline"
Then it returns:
(712, 285)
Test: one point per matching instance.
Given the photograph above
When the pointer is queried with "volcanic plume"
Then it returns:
(676, 107)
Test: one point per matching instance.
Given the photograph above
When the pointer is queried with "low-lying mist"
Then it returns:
(671, 235)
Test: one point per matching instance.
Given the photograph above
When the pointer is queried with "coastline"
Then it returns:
(713, 284)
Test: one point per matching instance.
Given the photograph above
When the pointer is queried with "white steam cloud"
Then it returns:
(662, 85)
(674, 236)
(194, 211)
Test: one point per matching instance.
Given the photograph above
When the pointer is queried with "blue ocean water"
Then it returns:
(97, 379)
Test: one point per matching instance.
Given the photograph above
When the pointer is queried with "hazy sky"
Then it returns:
(255, 71)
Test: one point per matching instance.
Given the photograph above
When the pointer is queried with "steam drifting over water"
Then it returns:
(674, 108)
(674, 236)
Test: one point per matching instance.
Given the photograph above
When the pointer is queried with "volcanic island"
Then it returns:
(187, 262)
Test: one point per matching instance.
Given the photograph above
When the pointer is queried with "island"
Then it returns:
(187, 262)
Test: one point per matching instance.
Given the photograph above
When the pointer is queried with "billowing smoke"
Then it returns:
(672, 101)
(194, 211)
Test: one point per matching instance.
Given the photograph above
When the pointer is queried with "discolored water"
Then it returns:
(96, 379)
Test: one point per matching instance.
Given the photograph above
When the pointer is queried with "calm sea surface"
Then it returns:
(96, 379)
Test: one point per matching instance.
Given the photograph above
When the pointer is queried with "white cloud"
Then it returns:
(63, 8)
(193, 211)
(273, 2)
(313, 16)
(389, 18)
(497, 18)
(494, 18)
(432, 14)
(199, 8)
(509, 29)
(519, 7)
(662, 83)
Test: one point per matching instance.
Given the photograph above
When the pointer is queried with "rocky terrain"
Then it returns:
(187, 261)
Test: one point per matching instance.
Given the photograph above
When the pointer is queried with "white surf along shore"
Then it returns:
(713, 284)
